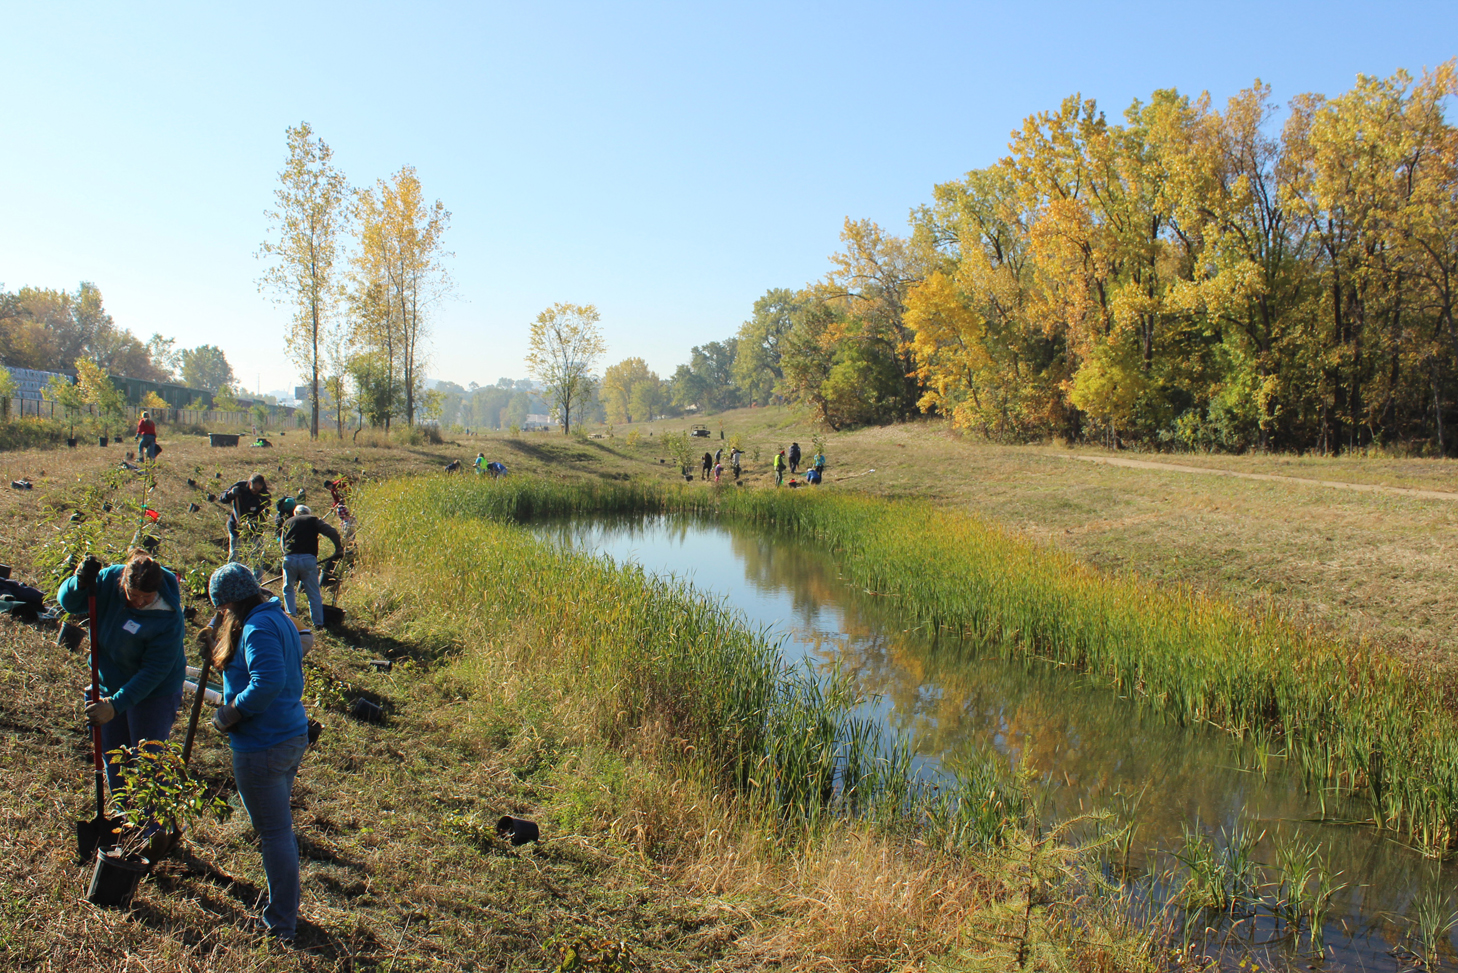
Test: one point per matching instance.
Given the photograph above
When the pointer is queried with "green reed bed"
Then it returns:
(633, 650)
(1353, 719)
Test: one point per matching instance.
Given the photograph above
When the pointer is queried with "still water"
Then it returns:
(1088, 747)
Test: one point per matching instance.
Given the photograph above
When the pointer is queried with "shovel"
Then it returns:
(100, 831)
(198, 696)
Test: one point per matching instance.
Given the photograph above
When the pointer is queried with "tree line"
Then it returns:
(1185, 276)
(52, 330)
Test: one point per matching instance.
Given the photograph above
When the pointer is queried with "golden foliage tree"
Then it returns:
(310, 217)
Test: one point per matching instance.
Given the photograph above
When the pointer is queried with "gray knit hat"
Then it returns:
(232, 582)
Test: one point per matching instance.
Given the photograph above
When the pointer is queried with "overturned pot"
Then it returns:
(518, 831)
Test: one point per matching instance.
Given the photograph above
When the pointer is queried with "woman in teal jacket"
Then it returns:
(259, 653)
(139, 653)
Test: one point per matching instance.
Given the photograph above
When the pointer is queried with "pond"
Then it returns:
(1087, 747)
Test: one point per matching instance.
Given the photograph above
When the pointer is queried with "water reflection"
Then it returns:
(1092, 748)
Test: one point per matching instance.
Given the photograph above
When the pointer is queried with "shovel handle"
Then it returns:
(95, 688)
(197, 700)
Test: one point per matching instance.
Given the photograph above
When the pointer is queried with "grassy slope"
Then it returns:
(1372, 565)
(371, 806)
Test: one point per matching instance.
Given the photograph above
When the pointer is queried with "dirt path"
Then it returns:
(1140, 464)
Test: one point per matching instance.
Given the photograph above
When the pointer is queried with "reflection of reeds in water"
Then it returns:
(640, 650)
(1353, 719)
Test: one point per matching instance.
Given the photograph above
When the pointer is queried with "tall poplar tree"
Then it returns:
(402, 251)
(312, 214)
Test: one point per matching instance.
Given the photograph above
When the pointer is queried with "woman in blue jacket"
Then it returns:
(139, 654)
(257, 649)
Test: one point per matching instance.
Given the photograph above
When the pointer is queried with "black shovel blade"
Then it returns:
(93, 834)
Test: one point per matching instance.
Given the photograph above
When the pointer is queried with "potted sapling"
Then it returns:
(157, 801)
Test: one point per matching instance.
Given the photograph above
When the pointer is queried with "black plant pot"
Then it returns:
(4, 571)
(71, 442)
(366, 711)
(115, 879)
(101, 440)
(518, 831)
(70, 636)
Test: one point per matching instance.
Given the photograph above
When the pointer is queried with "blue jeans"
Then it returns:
(265, 779)
(303, 569)
(151, 719)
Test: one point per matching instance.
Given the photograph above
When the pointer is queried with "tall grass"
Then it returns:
(636, 650)
(1354, 720)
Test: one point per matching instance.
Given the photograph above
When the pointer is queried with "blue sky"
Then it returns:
(666, 162)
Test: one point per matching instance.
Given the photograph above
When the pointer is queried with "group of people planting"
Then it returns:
(137, 622)
(813, 476)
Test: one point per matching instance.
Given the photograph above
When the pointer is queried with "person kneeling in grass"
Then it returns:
(258, 651)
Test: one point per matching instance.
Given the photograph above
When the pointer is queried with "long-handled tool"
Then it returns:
(198, 696)
(100, 831)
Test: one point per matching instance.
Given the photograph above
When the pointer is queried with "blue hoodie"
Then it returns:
(265, 680)
(141, 653)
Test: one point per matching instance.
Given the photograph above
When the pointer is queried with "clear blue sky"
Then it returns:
(666, 162)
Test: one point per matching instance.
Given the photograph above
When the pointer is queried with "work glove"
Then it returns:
(100, 712)
(227, 717)
(86, 573)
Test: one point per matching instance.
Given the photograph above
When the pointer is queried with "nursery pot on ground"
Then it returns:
(70, 636)
(115, 878)
(366, 711)
(101, 440)
(518, 831)
(71, 441)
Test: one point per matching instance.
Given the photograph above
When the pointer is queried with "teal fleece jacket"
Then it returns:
(141, 653)
(265, 680)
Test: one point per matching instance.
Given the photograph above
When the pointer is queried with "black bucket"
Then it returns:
(4, 571)
(366, 711)
(333, 615)
(115, 879)
(71, 442)
(315, 730)
(101, 440)
(71, 636)
(518, 831)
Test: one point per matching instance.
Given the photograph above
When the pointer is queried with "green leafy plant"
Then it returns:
(158, 790)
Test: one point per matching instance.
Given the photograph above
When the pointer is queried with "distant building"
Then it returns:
(536, 421)
(176, 396)
(29, 381)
